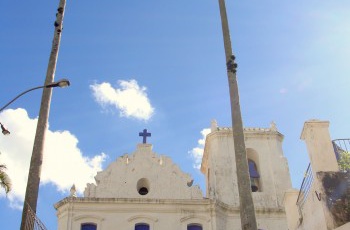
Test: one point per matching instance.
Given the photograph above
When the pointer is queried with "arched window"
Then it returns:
(254, 175)
(194, 227)
(141, 227)
(88, 226)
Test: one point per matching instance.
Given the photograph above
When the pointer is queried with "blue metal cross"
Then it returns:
(144, 134)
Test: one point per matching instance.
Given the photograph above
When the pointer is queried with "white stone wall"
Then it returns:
(144, 168)
(264, 146)
(159, 214)
(319, 145)
(220, 168)
(312, 212)
(125, 213)
(292, 212)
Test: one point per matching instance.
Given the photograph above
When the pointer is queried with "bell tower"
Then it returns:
(218, 166)
(268, 168)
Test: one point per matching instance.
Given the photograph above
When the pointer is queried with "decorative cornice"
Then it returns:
(248, 132)
(89, 200)
(249, 129)
(310, 124)
(192, 216)
(234, 208)
(215, 204)
(99, 218)
(151, 218)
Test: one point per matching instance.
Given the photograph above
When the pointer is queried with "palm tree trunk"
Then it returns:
(247, 212)
(33, 182)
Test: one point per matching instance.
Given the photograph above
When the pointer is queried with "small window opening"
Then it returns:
(143, 191)
(141, 227)
(143, 186)
(254, 176)
(194, 227)
(88, 226)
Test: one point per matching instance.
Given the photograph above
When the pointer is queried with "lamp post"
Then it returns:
(32, 190)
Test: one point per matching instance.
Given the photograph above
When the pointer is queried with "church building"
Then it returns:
(147, 191)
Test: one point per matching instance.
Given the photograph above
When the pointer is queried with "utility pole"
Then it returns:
(247, 212)
(32, 190)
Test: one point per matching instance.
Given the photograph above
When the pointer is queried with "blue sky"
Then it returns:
(167, 58)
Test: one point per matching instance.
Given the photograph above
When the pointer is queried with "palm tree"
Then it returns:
(5, 181)
(247, 212)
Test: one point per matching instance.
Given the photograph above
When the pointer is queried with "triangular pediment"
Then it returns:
(143, 174)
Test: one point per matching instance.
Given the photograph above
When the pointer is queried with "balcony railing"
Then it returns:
(340, 146)
(33, 222)
(305, 189)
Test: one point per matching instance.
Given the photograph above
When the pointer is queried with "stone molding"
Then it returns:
(312, 123)
(151, 218)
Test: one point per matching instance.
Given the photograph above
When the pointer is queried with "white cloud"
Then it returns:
(63, 162)
(197, 152)
(130, 99)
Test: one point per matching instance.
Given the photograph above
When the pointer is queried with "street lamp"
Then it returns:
(61, 83)
(4, 130)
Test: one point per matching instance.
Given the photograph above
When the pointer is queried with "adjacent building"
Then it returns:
(323, 201)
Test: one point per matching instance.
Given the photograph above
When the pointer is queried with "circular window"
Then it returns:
(143, 186)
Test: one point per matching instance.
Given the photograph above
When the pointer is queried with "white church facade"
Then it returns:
(147, 191)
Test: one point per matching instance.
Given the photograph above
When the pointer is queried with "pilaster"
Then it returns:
(319, 145)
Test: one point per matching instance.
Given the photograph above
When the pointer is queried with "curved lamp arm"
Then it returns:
(61, 83)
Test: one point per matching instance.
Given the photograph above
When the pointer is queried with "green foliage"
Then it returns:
(344, 161)
(5, 181)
